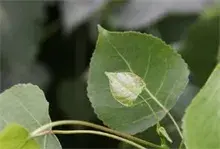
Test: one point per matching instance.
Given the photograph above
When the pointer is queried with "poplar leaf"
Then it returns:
(25, 104)
(14, 136)
(144, 67)
(202, 118)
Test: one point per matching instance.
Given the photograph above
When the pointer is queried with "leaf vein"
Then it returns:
(28, 112)
(162, 81)
(149, 61)
(45, 140)
(122, 57)
(147, 116)
(171, 92)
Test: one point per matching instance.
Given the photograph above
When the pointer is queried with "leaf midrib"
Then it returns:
(128, 65)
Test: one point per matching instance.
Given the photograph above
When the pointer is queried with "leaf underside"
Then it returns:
(26, 105)
(162, 70)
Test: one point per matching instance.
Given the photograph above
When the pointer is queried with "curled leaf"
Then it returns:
(162, 132)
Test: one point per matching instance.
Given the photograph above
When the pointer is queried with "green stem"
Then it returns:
(97, 133)
(152, 110)
(166, 111)
(88, 124)
(181, 145)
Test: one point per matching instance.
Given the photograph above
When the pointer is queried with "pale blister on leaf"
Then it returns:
(125, 87)
(14, 136)
(162, 70)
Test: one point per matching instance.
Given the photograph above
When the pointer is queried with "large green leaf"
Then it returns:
(202, 118)
(201, 45)
(140, 58)
(26, 105)
(15, 136)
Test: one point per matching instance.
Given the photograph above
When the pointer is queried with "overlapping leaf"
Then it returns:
(26, 105)
(14, 136)
(163, 71)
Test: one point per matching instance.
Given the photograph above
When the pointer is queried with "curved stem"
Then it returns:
(88, 124)
(97, 133)
(166, 111)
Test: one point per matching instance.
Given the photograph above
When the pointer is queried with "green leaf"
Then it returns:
(26, 105)
(14, 136)
(212, 11)
(201, 46)
(202, 118)
(160, 68)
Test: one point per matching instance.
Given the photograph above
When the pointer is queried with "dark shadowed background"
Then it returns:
(50, 43)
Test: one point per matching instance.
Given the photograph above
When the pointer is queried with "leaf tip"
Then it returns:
(102, 30)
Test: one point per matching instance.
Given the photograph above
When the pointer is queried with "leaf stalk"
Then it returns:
(46, 127)
(166, 111)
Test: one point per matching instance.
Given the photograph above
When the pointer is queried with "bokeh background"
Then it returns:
(50, 43)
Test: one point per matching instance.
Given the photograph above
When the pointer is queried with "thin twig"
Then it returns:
(96, 133)
(166, 111)
(88, 124)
